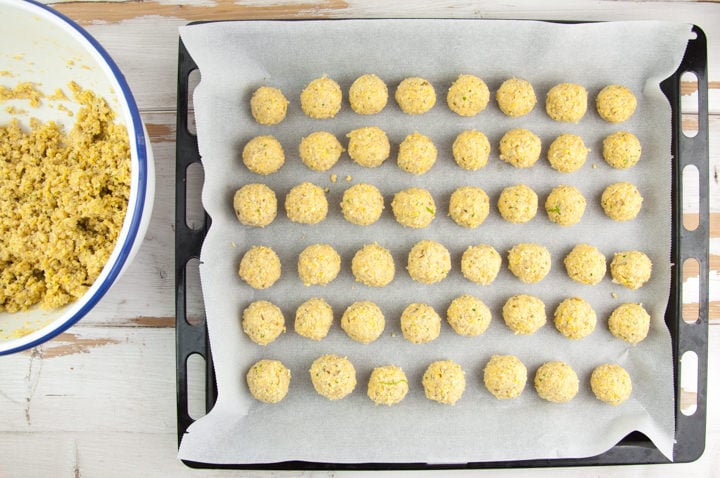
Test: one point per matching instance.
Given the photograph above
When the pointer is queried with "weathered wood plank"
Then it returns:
(142, 36)
(106, 455)
(93, 379)
(101, 402)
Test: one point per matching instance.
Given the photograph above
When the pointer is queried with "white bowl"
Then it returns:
(43, 46)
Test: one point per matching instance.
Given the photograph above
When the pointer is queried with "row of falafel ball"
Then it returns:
(467, 96)
(256, 204)
(443, 381)
(364, 322)
(429, 262)
(369, 147)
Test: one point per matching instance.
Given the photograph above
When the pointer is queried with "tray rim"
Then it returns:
(635, 448)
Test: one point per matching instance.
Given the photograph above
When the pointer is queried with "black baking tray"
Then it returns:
(635, 448)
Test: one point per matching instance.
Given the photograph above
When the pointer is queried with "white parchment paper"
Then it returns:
(237, 57)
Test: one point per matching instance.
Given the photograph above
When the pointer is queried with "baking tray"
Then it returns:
(635, 448)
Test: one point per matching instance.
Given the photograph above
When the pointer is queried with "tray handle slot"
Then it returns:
(194, 212)
(690, 292)
(196, 380)
(689, 84)
(689, 383)
(691, 197)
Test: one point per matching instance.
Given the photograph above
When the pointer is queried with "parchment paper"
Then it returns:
(237, 57)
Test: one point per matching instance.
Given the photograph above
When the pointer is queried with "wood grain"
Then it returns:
(199, 11)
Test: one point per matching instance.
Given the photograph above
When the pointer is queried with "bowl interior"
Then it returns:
(50, 51)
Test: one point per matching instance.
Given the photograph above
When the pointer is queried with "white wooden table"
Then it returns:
(100, 399)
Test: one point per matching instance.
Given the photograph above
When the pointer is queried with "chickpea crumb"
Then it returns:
(46, 258)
